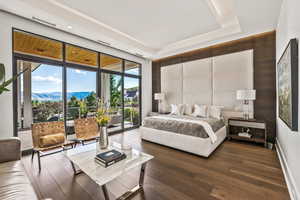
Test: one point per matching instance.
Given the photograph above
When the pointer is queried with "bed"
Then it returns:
(200, 136)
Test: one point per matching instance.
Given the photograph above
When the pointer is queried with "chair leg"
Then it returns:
(39, 159)
(32, 154)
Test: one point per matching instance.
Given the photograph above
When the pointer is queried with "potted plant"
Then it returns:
(103, 118)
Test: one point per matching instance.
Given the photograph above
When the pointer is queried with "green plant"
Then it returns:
(3, 83)
(132, 115)
(115, 92)
(83, 110)
(102, 114)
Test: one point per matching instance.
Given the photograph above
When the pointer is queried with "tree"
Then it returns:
(91, 102)
(115, 92)
(73, 106)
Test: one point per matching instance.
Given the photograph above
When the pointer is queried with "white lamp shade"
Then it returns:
(246, 94)
(159, 96)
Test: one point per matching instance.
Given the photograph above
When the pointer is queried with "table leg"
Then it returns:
(104, 189)
(142, 174)
(137, 188)
(74, 169)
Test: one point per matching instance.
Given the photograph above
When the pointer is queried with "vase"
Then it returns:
(103, 137)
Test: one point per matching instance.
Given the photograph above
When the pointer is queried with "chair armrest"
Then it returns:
(10, 149)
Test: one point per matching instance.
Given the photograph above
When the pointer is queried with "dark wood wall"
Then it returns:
(264, 46)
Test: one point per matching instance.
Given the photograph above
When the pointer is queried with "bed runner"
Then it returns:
(202, 123)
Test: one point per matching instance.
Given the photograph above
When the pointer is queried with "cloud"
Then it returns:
(47, 78)
(80, 71)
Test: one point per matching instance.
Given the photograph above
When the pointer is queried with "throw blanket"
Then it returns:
(187, 125)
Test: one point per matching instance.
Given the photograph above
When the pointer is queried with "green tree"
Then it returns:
(115, 92)
(91, 102)
(73, 105)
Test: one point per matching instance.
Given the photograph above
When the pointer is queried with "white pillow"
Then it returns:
(215, 111)
(188, 109)
(177, 109)
(200, 111)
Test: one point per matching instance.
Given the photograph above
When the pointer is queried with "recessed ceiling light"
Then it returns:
(70, 27)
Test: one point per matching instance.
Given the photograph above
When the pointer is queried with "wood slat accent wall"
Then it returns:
(264, 46)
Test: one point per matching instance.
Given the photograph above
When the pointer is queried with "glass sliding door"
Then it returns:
(39, 97)
(39, 93)
(63, 81)
(81, 95)
(111, 94)
(47, 96)
(131, 102)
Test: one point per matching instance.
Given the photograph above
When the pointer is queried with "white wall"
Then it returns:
(9, 21)
(288, 28)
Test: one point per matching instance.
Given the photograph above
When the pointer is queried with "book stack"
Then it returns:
(110, 157)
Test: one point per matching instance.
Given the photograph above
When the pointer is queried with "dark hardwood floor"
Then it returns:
(233, 171)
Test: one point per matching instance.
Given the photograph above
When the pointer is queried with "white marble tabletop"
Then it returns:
(84, 158)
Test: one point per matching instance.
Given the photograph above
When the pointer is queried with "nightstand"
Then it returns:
(256, 128)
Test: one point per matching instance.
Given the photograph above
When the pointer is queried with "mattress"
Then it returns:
(186, 125)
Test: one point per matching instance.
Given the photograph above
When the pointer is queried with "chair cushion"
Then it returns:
(52, 140)
(14, 183)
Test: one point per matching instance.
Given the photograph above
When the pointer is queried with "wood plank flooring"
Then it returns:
(234, 171)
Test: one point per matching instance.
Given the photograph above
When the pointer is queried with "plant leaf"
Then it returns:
(2, 72)
(4, 84)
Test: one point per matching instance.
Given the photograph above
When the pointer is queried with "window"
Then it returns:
(110, 63)
(81, 95)
(111, 94)
(73, 81)
(131, 102)
(132, 68)
(40, 94)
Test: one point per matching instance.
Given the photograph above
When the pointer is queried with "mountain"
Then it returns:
(57, 96)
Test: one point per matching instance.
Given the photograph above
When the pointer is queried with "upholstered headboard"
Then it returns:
(211, 81)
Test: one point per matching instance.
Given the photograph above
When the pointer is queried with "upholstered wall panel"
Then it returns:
(210, 81)
(171, 83)
(232, 72)
(197, 82)
(264, 56)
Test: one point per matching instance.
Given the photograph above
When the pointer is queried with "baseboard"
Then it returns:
(293, 190)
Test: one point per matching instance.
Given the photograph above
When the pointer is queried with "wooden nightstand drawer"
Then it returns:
(247, 124)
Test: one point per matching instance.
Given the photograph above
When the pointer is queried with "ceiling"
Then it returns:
(156, 28)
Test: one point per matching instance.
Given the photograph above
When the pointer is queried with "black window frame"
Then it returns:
(64, 64)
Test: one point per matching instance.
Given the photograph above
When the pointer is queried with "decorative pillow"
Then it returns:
(200, 111)
(215, 111)
(188, 109)
(177, 109)
(52, 140)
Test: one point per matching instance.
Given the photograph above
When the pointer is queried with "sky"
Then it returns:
(48, 78)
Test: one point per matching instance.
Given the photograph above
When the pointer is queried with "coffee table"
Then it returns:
(83, 158)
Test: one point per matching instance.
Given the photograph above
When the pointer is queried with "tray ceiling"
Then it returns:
(154, 28)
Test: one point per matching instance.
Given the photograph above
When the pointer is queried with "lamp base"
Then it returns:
(246, 116)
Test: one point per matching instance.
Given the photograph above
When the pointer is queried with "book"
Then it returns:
(110, 157)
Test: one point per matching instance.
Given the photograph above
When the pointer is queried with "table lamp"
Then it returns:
(246, 96)
(159, 97)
